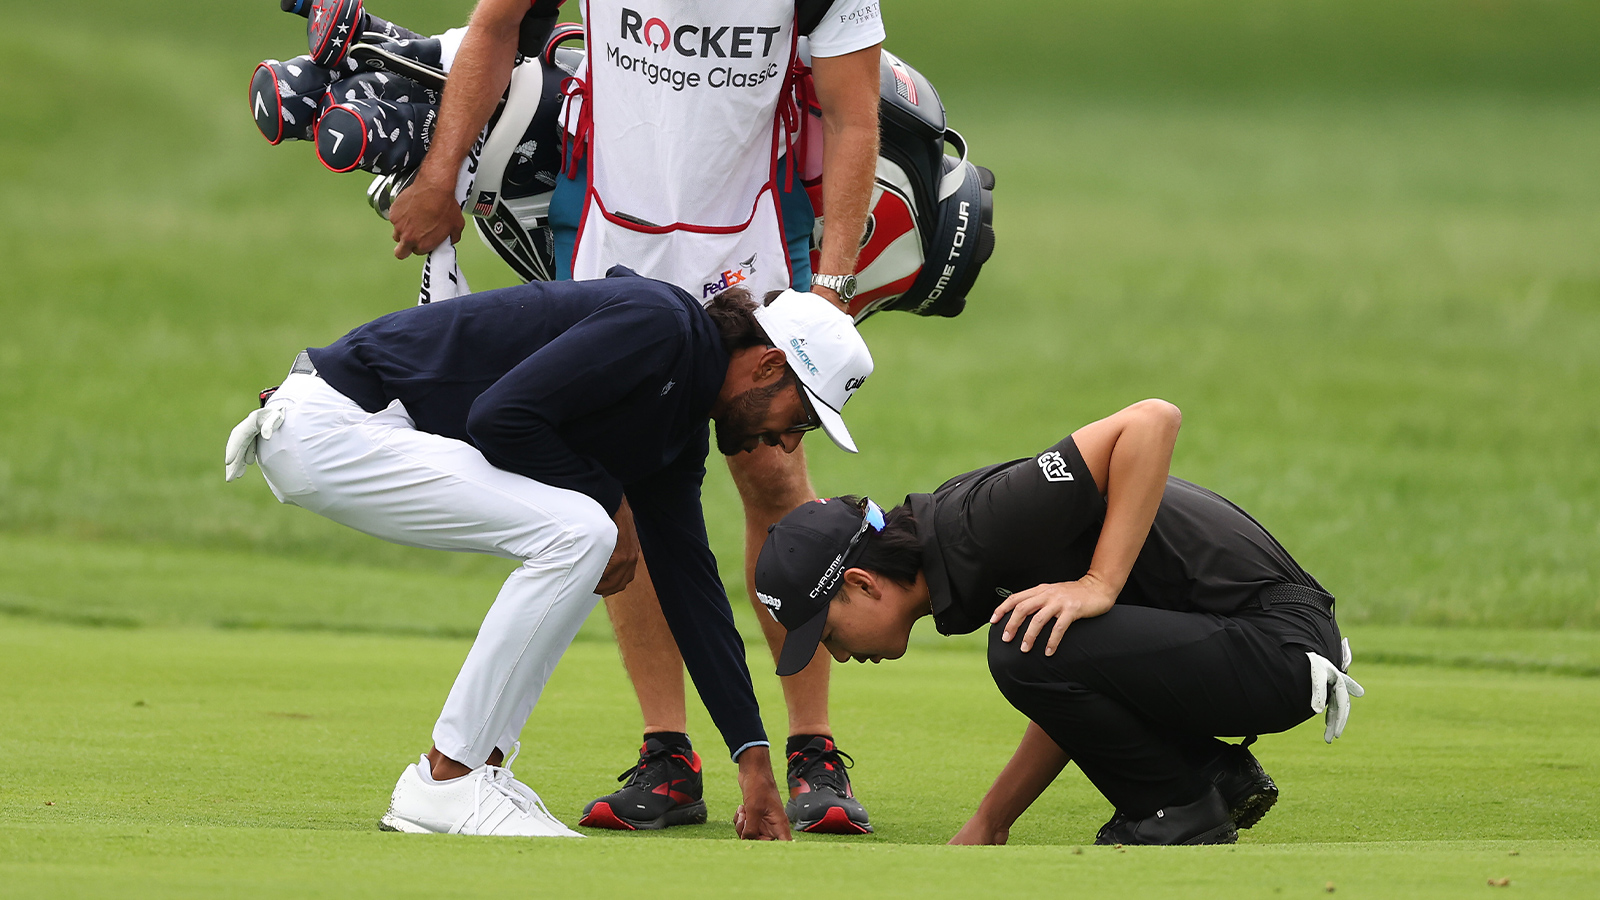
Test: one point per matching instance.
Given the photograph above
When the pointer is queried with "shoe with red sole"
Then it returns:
(663, 790)
(820, 798)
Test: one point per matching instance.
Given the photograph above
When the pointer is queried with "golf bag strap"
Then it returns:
(536, 25)
(522, 102)
(952, 180)
(808, 14)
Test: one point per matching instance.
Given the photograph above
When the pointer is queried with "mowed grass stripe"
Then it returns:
(191, 727)
(121, 585)
(256, 862)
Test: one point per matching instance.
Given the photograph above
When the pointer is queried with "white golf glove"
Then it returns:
(1324, 675)
(241, 450)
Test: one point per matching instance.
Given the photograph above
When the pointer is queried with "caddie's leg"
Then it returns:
(666, 757)
(772, 483)
(821, 797)
(649, 654)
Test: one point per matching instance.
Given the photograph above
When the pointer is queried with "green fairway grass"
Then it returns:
(1355, 241)
(177, 760)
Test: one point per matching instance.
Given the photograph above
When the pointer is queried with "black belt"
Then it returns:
(1295, 594)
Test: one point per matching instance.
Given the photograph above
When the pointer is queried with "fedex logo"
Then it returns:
(704, 41)
(730, 277)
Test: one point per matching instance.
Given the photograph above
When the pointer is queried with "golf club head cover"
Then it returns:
(380, 136)
(370, 24)
(380, 86)
(286, 98)
(331, 26)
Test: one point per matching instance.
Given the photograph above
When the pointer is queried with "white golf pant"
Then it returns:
(377, 473)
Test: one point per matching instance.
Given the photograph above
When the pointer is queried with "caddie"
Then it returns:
(676, 127)
(550, 423)
(1133, 618)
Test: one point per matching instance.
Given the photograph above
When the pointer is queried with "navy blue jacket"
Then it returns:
(602, 387)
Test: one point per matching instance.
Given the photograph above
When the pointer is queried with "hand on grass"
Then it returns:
(979, 831)
(760, 816)
(1064, 602)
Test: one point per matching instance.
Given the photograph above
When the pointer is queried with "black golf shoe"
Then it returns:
(1245, 786)
(663, 790)
(820, 798)
(1205, 821)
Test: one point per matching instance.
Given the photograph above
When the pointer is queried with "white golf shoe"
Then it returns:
(488, 800)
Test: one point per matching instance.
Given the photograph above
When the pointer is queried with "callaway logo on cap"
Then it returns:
(802, 565)
(824, 350)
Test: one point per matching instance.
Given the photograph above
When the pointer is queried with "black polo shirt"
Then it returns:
(1009, 527)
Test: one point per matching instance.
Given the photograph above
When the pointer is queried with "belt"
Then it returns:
(302, 366)
(1296, 595)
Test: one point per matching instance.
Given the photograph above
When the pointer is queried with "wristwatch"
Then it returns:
(843, 285)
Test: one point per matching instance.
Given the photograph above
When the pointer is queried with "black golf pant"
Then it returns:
(1137, 696)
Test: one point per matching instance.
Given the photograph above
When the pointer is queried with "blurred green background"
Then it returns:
(1355, 241)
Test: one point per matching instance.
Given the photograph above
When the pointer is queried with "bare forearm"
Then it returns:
(1036, 763)
(847, 89)
(849, 163)
(1032, 768)
(1136, 477)
(478, 78)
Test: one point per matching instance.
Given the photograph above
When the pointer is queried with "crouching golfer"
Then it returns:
(562, 425)
(1133, 616)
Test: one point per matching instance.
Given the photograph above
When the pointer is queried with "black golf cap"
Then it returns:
(801, 567)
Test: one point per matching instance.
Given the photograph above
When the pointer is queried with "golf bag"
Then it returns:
(930, 227)
(371, 103)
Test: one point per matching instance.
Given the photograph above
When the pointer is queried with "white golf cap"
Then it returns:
(824, 350)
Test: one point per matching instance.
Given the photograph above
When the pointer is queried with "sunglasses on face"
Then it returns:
(812, 422)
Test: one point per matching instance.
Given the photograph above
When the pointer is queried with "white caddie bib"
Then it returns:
(680, 106)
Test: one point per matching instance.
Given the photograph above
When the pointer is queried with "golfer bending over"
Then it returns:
(1133, 618)
(563, 425)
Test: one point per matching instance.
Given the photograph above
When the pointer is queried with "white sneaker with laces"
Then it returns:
(488, 801)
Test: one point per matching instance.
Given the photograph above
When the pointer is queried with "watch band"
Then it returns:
(843, 285)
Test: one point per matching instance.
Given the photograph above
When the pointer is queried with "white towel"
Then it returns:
(442, 278)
